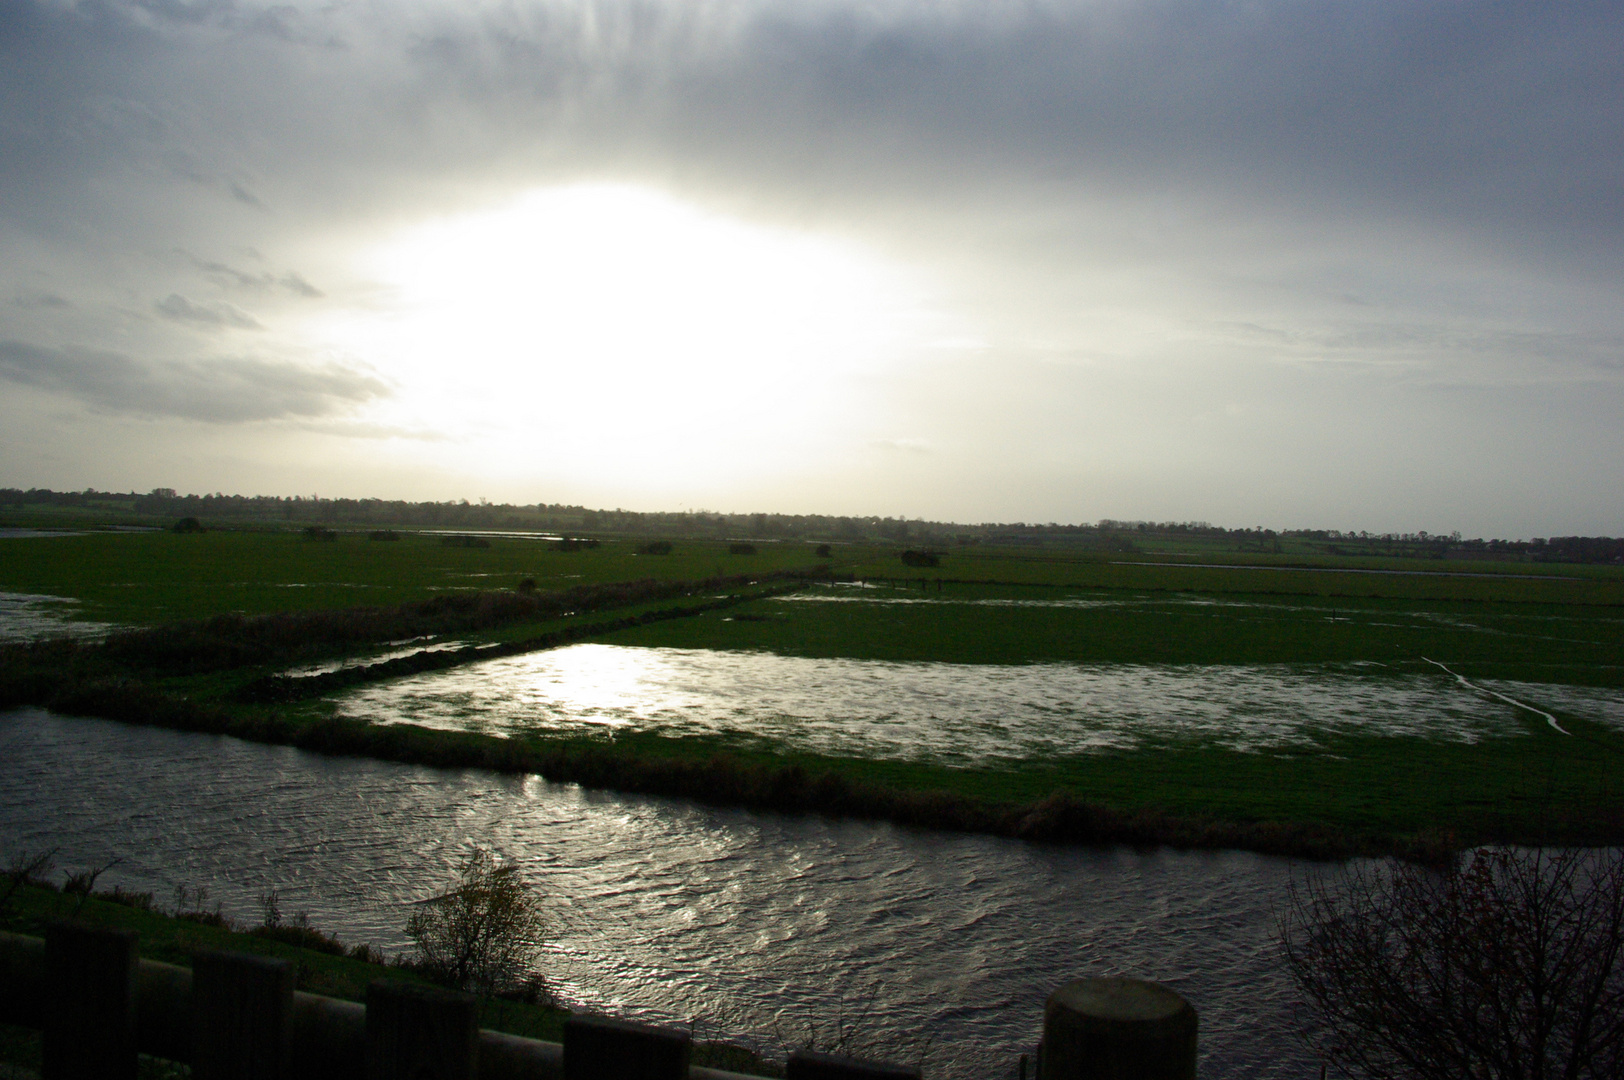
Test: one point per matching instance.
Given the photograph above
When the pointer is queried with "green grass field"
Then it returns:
(150, 578)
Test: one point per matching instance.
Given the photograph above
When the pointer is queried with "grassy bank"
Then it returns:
(322, 965)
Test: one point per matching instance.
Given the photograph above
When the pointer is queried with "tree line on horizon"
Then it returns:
(1106, 534)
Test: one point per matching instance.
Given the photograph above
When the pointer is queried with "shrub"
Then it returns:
(188, 525)
(573, 543)
(741, 549)
(319, 532)
(823, 551)
(656, 547)
(140, 901)
(1506, 964)
(303, 936)
(921, 558)
(383, 534)
(464, 541)
(485, 933)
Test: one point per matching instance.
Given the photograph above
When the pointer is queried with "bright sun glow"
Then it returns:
(622, 315)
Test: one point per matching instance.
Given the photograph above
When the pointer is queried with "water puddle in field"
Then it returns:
(754, 927)
(1598, 704)
(25, 616)
(948, 713)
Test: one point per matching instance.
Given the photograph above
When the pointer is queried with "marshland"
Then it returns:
(1044, 759)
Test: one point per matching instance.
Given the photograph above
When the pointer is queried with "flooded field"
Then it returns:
(955, 713)
(24, 616)
(760, 927)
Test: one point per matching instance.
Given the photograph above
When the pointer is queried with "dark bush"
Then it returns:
(526, 585)
(464, 542)
(656, 547)
(741, 549)
(303, 937)
(573, 543)
(188, 525)
(921, 558)
(823, 551)
(383, 534)
(318, 532)
(1509, 963)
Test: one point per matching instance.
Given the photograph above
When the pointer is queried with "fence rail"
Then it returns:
(237, 1015)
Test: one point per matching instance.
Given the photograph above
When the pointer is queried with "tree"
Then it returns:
(484, 934)
(1508, 965)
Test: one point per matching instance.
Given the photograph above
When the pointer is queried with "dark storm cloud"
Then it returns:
(216, 391)
(1509, 117)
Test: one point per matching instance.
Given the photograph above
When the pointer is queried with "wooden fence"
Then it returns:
(238, 1016)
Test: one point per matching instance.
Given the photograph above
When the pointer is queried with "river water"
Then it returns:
(768, 928)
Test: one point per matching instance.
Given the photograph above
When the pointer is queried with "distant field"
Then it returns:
(151, 578)
(1538, 642)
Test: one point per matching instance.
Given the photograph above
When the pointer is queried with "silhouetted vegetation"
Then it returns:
(317, 532)
(464, 542)
(1106, 535)
(921, 558)
(573, 543)
(485, 933)
(741, 549)
(188, 525)
(657, 547)
(383, 534)
(1505, 964)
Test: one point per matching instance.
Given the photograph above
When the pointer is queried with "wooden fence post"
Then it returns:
(241, 1008)
(601, 1048)
(807, 1065)
(421, 1033)
(1117, 1029)
(89, 1002)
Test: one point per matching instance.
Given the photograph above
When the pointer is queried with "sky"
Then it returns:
(1352, 265)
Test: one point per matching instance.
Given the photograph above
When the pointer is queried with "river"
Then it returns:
(765, 928)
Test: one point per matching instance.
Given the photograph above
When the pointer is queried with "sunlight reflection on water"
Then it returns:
(949, 713)
(752, 926)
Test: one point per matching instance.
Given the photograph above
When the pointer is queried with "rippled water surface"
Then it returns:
(953, 713)
(748, 925)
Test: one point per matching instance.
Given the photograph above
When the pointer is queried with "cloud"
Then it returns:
(177, 307)
(229, 276)
(903, 445)
(46, 300)
(243, 195)
(221, 391)
(298, 286)
(1268, 199)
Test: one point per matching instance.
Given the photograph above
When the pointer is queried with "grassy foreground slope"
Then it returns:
(322, 965)
(1514, 621)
